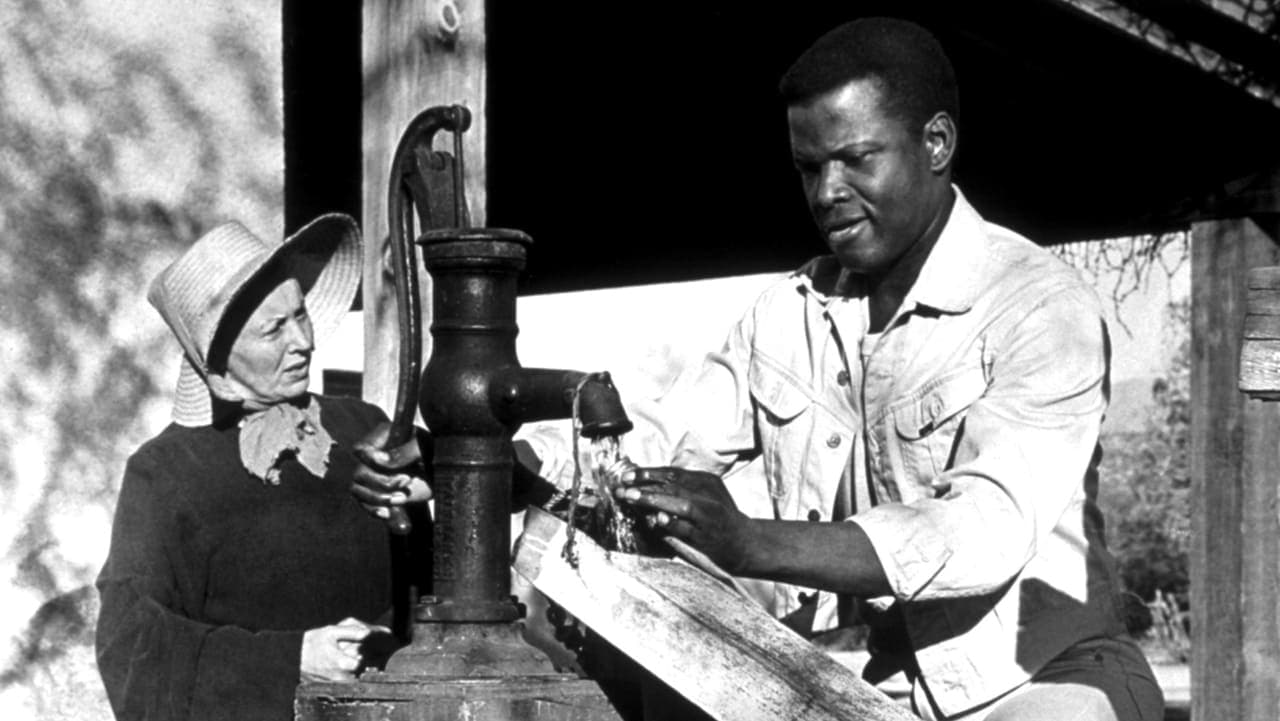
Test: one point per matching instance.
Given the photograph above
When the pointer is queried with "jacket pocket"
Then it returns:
(784, 421)
(926, 424)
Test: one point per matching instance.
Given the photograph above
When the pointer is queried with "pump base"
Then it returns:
(560, 697)
(464, 650)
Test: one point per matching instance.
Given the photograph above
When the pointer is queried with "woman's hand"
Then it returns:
(386, 477)
(332, 653)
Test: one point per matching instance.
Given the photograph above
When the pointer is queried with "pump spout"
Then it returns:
(523, 395)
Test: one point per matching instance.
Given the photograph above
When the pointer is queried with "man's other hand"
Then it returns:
(332, 653)
(693, 506)
(386, 477)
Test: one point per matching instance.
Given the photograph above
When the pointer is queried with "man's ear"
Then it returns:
(940, 141)
(224, 388)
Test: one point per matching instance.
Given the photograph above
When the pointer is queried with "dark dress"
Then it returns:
(213, 575)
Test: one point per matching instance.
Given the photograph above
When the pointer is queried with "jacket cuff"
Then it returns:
(911, 553)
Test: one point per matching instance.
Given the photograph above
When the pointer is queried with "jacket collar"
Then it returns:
(954, 273)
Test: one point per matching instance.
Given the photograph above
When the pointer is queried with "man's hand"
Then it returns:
(386, 477)
(696, 508)
(693, 506)
(332, 653)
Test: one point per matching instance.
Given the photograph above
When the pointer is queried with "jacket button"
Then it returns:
(842, 378)
(935, 408)
(833, 441)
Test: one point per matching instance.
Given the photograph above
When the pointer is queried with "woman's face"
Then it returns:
(270, 359)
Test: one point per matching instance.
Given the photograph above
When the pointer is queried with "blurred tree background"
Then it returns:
(126, 129)
(1145, 484)
(1145, 492)
(1148, 481)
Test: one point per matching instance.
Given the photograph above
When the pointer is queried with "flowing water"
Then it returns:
(591, 507)
(606, 466)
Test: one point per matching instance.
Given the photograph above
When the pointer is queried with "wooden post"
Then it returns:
(1235, 467)
(417, 53)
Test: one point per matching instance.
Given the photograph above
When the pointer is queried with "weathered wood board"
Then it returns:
(1260, 349)
(1234, 464)
(718, 649)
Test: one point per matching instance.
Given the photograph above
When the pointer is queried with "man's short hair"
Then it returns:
(915, 77)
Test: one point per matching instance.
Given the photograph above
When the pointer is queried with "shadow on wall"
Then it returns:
(122, 137)
(55, 660)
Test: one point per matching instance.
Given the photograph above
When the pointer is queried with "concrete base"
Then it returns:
(516, 698)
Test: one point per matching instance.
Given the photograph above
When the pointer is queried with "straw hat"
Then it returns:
(195, 291)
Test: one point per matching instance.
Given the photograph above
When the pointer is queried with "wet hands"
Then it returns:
(693, 506)
(335, 653)
(386, 477)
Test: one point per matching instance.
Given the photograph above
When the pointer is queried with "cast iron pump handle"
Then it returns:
(417, 173)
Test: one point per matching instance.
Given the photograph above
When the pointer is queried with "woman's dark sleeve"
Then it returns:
(156, 662)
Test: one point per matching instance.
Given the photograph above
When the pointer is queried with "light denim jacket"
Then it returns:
(967, 432)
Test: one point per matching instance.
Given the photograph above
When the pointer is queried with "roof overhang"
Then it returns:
(641, 147)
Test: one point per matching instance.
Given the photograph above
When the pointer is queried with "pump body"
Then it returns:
(467, 657)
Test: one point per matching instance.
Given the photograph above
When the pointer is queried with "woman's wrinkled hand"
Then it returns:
(386, 477)
(333, 653)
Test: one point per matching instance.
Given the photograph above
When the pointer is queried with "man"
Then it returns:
(927, 401)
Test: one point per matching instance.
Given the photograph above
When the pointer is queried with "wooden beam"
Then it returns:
(1255, 194)
(1192, 32)
(1199, 22)
(1235, 468)
(417, 54)
(716, 648)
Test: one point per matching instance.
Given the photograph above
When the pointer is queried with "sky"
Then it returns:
(1141, 338)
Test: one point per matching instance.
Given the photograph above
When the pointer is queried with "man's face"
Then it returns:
(270, 359)
(866, 176)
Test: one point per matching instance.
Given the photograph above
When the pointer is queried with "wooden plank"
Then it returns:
(1263, 301)
(1265, 277)
(1260, 368)
(1233, 476)
(1260, 350)
(412, 62)
(721, 651)
(1262, 327)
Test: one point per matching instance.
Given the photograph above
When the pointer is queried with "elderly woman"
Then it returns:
(240, 562)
